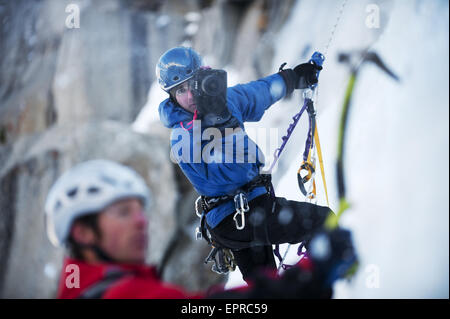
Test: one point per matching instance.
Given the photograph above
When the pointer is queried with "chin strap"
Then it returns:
(101, 254)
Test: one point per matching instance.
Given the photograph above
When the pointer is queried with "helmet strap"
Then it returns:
(100, 253)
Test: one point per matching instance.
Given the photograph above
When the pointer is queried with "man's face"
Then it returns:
(184, 97)
(123, 228)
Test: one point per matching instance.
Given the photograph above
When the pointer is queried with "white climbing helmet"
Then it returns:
(88, 188)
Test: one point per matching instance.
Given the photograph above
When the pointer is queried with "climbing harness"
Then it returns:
(239, 198)
(222, 258)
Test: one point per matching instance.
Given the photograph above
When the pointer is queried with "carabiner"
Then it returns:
(302, 180)
(241, 227)
(241, 203)
(197, 204)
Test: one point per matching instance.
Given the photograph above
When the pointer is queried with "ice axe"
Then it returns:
(354, 60)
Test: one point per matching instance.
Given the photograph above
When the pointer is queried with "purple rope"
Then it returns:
(309, 142)
(276, 156)
(310, 139)
(276, 252)
(301, 254)
(299, 250)
(296, 118)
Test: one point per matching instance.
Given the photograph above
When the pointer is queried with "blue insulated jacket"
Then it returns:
(218, 164)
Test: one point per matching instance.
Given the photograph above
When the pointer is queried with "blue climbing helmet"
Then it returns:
(176, 66)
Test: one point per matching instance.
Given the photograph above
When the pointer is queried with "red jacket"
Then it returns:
(137, 281)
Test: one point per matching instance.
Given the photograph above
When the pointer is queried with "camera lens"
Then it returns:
(213, 85)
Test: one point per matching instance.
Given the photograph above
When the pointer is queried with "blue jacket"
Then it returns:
(219, 166)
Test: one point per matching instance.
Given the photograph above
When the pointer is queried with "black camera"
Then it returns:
(209, 88)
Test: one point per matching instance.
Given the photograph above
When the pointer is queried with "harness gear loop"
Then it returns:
(204, 204)
(222, 257)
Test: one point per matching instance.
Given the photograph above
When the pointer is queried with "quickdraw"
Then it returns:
(308, 163)
(222, 257)
(312, 143)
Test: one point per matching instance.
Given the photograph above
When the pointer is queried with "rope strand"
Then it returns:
(341, 11)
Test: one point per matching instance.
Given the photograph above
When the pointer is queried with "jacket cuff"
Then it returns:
(290, 78)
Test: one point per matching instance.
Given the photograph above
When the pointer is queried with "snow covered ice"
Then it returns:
(396, 156)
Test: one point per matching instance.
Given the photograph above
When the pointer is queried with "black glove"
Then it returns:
(301, 77)
(294, 283)
(307, 74)
(332, 254)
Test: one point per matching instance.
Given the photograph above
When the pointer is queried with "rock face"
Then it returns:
(69, 94)
(33, 164)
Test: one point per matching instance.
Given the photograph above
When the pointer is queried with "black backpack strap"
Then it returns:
(97, 290)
